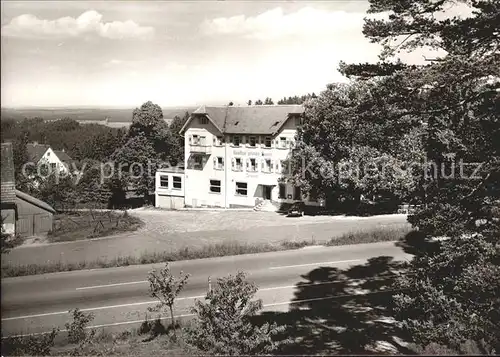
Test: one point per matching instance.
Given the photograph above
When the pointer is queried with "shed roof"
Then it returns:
(34, 201)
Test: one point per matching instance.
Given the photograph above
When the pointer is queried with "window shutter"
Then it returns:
(190, 139)
(214, 140)
(243, 139)
(248, 163)
(233, 161)
(222, 161)
(231, 139)
(262, 165)
(215, 162)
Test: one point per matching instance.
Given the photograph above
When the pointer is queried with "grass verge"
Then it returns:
(371, 236)
(79, 225)
(157, 340)
(208, 251)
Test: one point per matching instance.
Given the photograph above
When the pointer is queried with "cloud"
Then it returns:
(275, 23)
(88, 23)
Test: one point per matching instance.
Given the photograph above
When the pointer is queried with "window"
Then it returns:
(252, 141)
(241, 188)
(196, 140)
(284, 166)
(236, 140)
(218, 163)
(296, 193)
(268, 142)
(217, 140)
(52, 166)
(313, 197)
(252, 165)
(215, 186)
(177, 182)
(164, 181)
(198, 161)
(237, 165)
(298, 121)
(203, 120)
(266, 165)
(282, 193)
(282, 142)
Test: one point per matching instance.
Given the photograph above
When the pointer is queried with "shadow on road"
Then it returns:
(329, 314)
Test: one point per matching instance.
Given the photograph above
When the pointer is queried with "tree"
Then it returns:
(268, 101)
(135, 163)
(165, 287)
(348, 149)
(452, 293)
(258, 102)
(148, 121)
(230, 104)
(222, 325)
(177, 146)
(91, 186)
(20, 156)
(249, 102)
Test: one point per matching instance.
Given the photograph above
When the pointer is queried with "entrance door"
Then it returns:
(267, 192)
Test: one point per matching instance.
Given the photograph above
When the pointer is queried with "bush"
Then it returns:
(33, 345)
(222, 324)
(76, 329)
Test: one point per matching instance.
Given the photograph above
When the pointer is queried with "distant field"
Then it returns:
(119, 116)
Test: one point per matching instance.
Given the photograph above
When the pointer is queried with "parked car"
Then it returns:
(297, 209)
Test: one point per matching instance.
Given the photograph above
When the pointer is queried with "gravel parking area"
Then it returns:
(163, 221)
(174, 230)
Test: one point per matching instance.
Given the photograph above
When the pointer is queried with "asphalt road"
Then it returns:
(119, 296)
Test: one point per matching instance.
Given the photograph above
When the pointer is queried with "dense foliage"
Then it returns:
(109, 161)
(222, 324)
(452, 294)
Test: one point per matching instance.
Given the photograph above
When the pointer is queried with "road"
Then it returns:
(119, 296)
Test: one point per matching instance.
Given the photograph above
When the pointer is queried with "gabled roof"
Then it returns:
(36, 151)
(252, 119)
(34, 201)
(63, 156)
(8, 176)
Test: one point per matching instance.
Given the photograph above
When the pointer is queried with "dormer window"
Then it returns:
(236, 140)
(203, 120)
(252, 141)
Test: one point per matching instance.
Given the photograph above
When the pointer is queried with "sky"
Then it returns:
(124, 53)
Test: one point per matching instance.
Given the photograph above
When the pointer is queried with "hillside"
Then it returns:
(85, 114)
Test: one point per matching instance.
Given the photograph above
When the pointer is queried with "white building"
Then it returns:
(169, 188)
(234, 156)
(40, 154)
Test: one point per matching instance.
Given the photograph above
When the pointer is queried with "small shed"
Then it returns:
(34, 217)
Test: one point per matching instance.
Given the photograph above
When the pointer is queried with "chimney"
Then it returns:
(35, 143)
